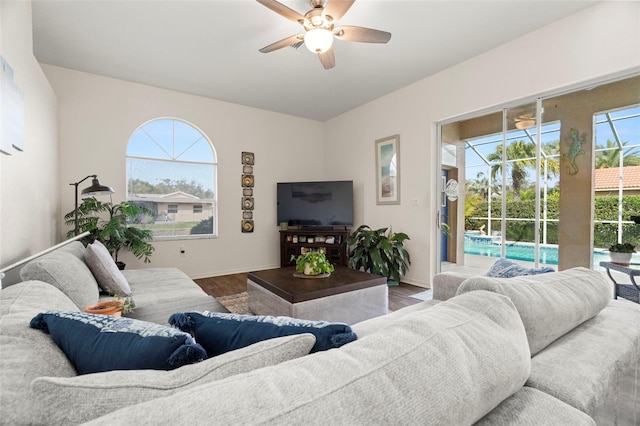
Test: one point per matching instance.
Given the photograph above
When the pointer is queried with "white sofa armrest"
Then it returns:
(445, 284)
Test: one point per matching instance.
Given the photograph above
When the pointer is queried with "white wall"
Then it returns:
(603, 40)
(29, 190)
(99, 114)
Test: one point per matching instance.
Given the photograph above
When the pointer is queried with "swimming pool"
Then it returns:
(482, 245)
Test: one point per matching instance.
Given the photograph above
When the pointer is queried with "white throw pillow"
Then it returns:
(105, 270)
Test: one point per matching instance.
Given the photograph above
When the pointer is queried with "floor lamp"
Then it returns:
(94, 189)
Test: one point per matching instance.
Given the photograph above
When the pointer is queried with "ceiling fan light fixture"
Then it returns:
(318, 40)
(525, 123)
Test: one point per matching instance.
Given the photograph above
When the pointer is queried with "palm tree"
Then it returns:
(520, 156)
(478, 188)
(552, 152)
(609, 156)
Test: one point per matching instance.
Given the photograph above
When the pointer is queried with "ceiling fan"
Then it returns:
(525, 121)
(319, 25)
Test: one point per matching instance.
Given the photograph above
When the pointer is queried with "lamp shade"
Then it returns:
(318, 40)
(97, 189)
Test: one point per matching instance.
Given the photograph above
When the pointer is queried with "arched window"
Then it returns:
(171, 170)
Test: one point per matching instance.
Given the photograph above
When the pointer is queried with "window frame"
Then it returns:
(214, 201)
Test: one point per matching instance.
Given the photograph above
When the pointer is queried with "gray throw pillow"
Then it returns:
(94, 395)
(67, 273)
(552, 304)
(105, 270)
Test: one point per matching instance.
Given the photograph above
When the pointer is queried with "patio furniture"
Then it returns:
(626, 291)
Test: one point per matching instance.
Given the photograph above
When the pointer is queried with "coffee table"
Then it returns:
(347, 296)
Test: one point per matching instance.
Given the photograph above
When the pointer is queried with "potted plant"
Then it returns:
(621, 253)
(109, 307)
(313, 263)
(109, 224)
(121, 305)
(380, 252)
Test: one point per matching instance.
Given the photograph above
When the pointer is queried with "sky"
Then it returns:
(171, 149)
(626, 122)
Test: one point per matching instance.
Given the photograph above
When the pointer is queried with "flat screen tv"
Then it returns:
(318, 204)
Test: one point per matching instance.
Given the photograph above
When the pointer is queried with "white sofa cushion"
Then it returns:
(450, 364)
(76, 248)
(160, 292)
(27, 353)
(531, 407)
(551, 304)
(67, 273)
(89, 396)
(105, 270)
(373, 325)
(581, 367)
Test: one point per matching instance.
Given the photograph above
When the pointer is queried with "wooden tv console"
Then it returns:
(294, 241)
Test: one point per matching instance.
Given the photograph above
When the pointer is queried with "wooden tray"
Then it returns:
(301, 275)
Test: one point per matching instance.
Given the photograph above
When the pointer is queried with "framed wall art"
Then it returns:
(388, 170)
(248, 181)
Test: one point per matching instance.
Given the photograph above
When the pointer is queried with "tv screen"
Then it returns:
(328, 203)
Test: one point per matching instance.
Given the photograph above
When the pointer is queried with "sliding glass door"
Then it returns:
(525, 178)
(504, 168)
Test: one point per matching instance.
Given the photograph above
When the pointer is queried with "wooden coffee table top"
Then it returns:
(282, 283)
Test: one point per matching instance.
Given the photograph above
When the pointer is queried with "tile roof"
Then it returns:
(608, 178)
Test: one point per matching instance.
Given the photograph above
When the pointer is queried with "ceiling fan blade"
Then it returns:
(289, 41)
(328, 59)
(283, 10)
(337, 8)
(361, 34)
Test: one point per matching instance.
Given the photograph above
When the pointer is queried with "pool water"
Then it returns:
(490, 246)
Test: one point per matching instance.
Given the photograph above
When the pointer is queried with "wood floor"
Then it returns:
(227, 285)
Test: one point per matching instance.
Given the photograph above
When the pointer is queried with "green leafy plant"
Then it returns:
(128, 305)
(379, 251)
(313, 263)
(622, 248)
(205, 226)
(110, 224)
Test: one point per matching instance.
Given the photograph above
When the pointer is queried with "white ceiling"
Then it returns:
(210, 47)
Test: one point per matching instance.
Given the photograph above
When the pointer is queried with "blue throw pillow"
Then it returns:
(504, 268)
(95, 343)
(219, 333)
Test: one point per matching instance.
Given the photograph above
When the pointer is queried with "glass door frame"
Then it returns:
(503, 222)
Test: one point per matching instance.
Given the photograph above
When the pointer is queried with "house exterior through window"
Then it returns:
(172, 171)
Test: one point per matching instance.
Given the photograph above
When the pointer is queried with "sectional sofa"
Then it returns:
(548, 349)
(157, 292)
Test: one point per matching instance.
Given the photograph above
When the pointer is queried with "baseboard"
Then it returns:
(417, 283)
(232, 271)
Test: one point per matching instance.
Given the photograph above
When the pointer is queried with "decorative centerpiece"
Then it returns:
(312, 265)
(621, 253)
(109, 307)
(112, 307)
